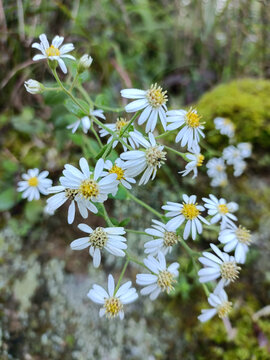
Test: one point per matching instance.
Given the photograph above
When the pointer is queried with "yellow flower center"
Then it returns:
(155, 157)
(71, 193)
(156, 97)
(33, 181)
(243, 235)
(229, 270)
(98, 238)
(118, 171)
(192, 118)
(165, 281)
(120, 122)
(200, 160)
(219, 168)
(89, 188)
(113, 305)
(170, 238)
(223, 209)
(190, 211)
(52, 51)
(224, 309)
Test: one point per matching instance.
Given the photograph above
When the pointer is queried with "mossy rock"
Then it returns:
(247, 103)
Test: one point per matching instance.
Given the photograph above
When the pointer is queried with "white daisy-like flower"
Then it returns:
(146, 160)
(110, 239)
(55, 51)
(63, 194)
(91, 186)
(215, 167)
(245, 149)
(219, 180)
(191, 126)
(220, 305)
(153, 101)
(236, 238)
(34, 184)
(239, 167)
(85, 62)
(218, 266)
(119, 168)
(231, 154)
(164, 239)
(190, 212)
(225, 126)
(195, 160)
(161, 279)
(113, 301)
(33, 86)
(85, 121)
(220, 210)
(117, 128)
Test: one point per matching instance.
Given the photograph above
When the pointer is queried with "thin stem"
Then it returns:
(136, 261)
(142, 203)
(108, 149)
(130, 123)
(108, 108)
(96, 136)
(106, 216)
(74, 81)
(136, 232)
(183, 155)
(164, 134)
(121, 276)
(85, 94)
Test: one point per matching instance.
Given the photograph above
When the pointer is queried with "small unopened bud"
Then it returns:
(85, 62)
(34, 87)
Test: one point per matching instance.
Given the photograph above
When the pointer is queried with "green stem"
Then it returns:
(183, 155)
(136, 261)
(136, 232)
(96, 136)
(74, 81)
(121, 276)
(142, 203)
(106, 216)
(108, 149)
(164, 134)
(108, 108)
(84, 94)
(130, 123)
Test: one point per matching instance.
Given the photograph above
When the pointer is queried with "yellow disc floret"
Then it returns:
(33, 181)
(155, 156)
(113, 306)
(165, 281)
(118, 171)
(192, 118)
(200, 160)
(223, 209)
(170, 238)
(120, 123)
(229, 270)
(190, 211)
(89, 188)
(52, 51)
(98, 238)
(243, 235)
(224, 309)
(156, 96)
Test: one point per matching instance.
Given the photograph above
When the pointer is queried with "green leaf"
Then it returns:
(75, 109)
(33, 210)
(124, 222)
(121, 194)
(8, 199)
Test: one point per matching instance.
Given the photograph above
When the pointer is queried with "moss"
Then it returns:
(247, 103)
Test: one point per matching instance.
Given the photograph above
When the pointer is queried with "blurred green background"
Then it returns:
(213, 54)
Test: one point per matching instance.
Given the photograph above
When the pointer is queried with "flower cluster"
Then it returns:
(142, 155)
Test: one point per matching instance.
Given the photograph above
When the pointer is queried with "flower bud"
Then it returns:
(85, 62)
(34, 87)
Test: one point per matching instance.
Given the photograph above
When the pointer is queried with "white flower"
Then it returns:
(88, 184)
(220, 305)
(34, 87)
(85, 121)
(55, 51)
(226, 126)
(62, 194)
(164, 239)
(236, 238)
(188, 211)
(147, 161)
(245, 149)
(216, 167)
(195, 160)
(85, 61)
(220, 180)
(153, 101)
(161, 279)
(239, 167)
(110, 239)
(191, 126)
(119, 168)
(231, 154)
(117, 129)
(33, 184)
(222, 265)
(220, 210)
(113, 300)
